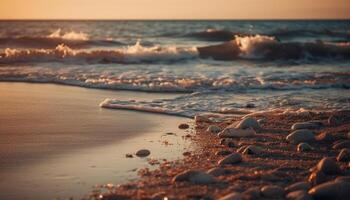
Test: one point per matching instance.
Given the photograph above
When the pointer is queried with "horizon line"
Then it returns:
(168, 19)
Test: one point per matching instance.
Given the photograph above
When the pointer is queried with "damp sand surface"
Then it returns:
(55, 141)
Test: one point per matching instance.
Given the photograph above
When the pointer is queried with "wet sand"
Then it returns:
(55, 141)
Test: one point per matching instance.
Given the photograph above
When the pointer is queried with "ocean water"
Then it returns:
(218, 66)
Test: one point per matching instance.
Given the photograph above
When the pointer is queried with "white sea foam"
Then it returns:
(252, 47)
(131, 54)
(236, 103)
(69, 35)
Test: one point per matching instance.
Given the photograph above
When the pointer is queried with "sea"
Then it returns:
(224, 66)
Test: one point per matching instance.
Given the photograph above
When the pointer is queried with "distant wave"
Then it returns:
(72, 39)
(260, 47)
(130, 54)
(227, 35)
(213, 35)
(291, 33)
(254, 48)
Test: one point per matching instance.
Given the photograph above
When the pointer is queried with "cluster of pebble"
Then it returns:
(326, 180)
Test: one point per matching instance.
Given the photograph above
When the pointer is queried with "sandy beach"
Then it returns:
(286, 155)
(56, 141)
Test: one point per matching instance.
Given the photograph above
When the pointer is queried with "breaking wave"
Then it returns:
(284, 33)
(131, 54)
(260, 47)
(72, 39)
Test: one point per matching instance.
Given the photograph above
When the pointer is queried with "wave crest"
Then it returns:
(269, 48)
(131, 54)
(69, 35)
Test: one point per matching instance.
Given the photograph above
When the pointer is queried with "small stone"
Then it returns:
(298, 186)
(299, 136)
(302, 147)
(331, 190)
(252, 193)
(272, 191)
(231, 159)
(232, 196)
(343, 178)
(341, 145)
(344, 155)
(195, 177)
(333, 121)
(248, 123)
(143, 153)
(241, 149)
(325, 137)
(234, 133)
(299, 195)
(158, 196)
(217, 171)
(328, 166)
(223, 153)
(250, 105)
(252, 149)
(184, 126)
(317, 177)
(129, 155)
(213, 129)
(305, 125)
(261, 121)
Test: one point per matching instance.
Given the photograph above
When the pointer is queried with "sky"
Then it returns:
(174, 9)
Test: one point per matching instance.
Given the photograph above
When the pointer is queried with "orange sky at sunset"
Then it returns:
(174, 9)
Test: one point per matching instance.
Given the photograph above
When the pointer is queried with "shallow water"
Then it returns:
(271, 64)
(55, 141)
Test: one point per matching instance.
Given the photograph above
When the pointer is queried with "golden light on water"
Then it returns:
(173, 9)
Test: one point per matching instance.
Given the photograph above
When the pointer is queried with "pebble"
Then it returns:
(298, 186)
(234, 133)
(184, 126)
(232, 196)
(299, 136)
(231, 159)
(143, 153)
(272, 191)
(217, 171)
(252, 193)
(159, 196)
(223, 153)
(344, 155)
(213, 129)
(227, 141)
(325, 137)
(328, 166)
(343, 178)
(341, 145)
(252, 149)
(261, 121)
(248, 123)
(317, 177)
(331, 190)
(195, 177)
(305, 125)
(299, 195)
(302, 147)
(129, 155)
(333, 121)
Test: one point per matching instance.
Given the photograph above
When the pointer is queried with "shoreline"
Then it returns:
(267, 170)
(56, 142)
